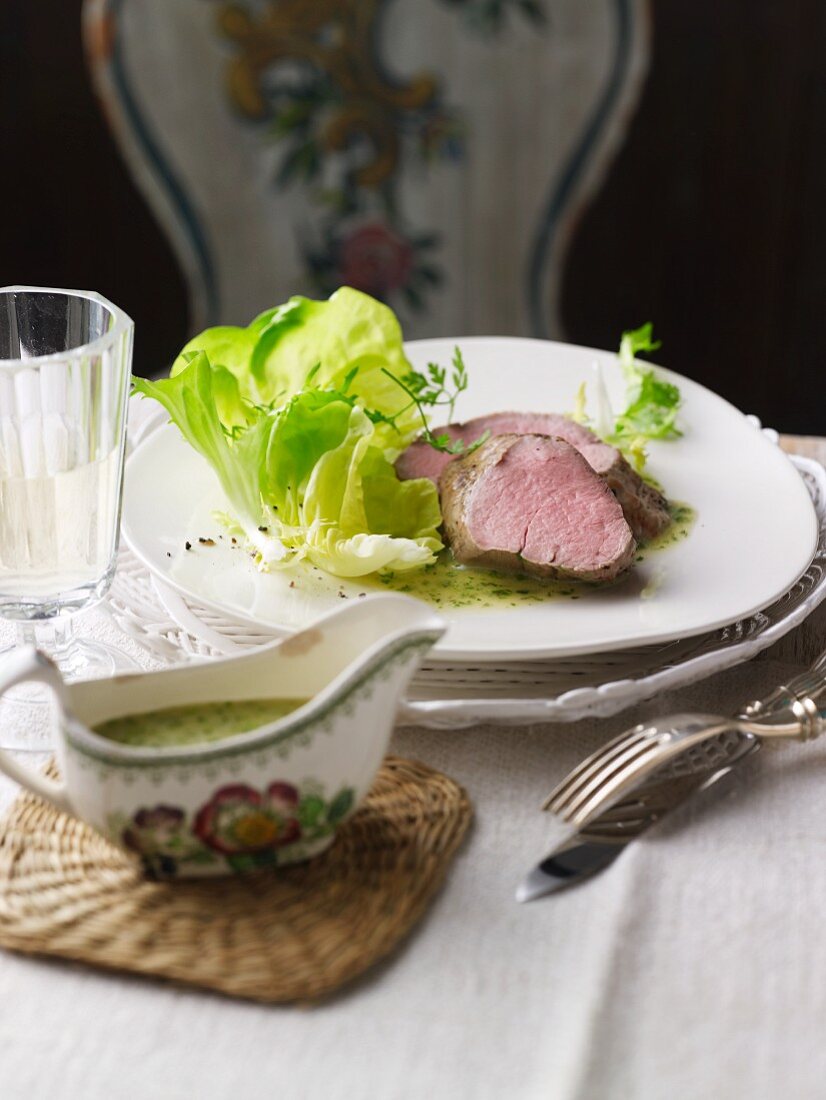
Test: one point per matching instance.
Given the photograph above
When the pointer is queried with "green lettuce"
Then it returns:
(354, 339)
(294, 415)
(653, 403)
(359, 518)
(193, 399)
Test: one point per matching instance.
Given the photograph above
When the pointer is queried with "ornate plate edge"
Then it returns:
(614, 696)
(572, 705)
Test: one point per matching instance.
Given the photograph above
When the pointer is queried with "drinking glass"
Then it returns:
(65, 366)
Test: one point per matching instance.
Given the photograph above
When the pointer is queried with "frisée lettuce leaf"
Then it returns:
(653, 403)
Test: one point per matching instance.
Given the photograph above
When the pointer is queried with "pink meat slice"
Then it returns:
(421, 460)
(645, 509)
(531, 503)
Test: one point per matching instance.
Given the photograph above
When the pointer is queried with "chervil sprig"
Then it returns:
(433, 389)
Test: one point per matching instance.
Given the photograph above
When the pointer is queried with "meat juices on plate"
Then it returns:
(533, 504)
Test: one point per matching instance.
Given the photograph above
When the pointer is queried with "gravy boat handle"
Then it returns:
(27, 665)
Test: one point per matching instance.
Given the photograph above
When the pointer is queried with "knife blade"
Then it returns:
(586, 853)
(570, 863)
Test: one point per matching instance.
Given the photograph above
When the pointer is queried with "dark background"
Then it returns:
(72, 216)
(711, 221)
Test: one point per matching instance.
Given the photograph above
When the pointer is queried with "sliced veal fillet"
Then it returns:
(532, 504)
(645, 509)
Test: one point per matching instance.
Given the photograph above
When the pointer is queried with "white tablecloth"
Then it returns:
(694, 968)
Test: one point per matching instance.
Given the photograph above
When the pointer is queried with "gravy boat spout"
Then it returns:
(270, 796)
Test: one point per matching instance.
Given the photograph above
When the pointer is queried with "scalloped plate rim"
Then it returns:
(699, 449)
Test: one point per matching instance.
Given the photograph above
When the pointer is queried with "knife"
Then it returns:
(586, 853)
(574, 861)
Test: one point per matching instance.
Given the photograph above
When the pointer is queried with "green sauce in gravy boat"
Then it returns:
(268, 797)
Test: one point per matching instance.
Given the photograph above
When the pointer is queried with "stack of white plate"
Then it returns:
(751, 568)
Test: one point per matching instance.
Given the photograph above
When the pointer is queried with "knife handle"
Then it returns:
(801, 700)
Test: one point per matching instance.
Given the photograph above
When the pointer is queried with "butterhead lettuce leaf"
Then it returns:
(228, 347)
(359, 517)
(348, 339)
(279, 411)
(195, 399)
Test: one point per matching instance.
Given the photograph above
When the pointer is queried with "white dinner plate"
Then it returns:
(754, 535)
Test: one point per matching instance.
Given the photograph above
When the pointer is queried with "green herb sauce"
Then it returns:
(682, 520)
(448, 585)
(192, 725)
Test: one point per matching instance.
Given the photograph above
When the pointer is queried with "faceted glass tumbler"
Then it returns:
(65, 367)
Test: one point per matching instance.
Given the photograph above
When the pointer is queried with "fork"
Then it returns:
(594, 848)
(792, 711)
(670, 785)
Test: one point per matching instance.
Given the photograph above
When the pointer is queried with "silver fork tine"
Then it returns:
(600, 769)
(601, 791)
(660, 795)
(643, 807)
(610, 763)
(620, 826)
(615, 782)
(615, 786)
(603, 755)
(621, 810)
(620, 758)
(618, 830)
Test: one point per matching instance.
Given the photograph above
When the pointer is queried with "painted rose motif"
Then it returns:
(239, 819)
(375, 259)
(160, 838)
(160, 824)
(350, 135)
(245, 827)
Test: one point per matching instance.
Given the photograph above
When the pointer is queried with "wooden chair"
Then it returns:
(435, 153)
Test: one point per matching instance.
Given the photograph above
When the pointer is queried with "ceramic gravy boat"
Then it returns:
(272, 796)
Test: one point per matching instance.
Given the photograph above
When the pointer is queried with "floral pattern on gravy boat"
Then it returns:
(273, 796)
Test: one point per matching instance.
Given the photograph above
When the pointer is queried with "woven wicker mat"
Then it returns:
(297, 934)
